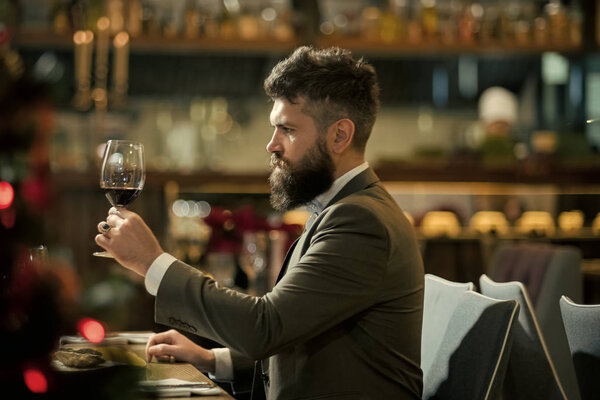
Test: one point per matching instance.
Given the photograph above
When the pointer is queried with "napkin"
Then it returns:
(135, 337)
(179, 388)
(114, 338)
(80, 339)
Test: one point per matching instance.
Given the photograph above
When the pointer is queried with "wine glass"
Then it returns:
(123, 174)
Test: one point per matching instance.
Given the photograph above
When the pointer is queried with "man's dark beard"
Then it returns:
(294, 186)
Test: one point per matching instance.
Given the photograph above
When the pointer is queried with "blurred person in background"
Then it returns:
(344, 319)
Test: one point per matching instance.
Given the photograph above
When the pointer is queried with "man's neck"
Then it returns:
(348, 163)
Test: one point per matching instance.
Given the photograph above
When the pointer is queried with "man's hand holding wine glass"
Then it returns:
(124, 234)
(129, 240)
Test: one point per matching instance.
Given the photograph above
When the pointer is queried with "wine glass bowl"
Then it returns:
(123, 174)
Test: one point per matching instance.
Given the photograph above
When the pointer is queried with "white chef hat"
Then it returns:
(498, 104)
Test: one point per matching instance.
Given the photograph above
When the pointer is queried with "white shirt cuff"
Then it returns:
(223, 365)
(157, 270)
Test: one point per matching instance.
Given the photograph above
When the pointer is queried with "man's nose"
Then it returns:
(274, 144)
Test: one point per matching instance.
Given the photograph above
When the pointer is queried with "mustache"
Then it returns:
(277, 161)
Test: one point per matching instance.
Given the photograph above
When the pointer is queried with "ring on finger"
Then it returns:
(105, 228)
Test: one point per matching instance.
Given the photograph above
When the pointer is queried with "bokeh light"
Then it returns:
(91, 329)
(7, 194)
(35, 380)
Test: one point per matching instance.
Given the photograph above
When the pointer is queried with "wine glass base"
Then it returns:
(105, 254)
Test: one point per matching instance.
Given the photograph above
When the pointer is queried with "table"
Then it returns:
(153, 371)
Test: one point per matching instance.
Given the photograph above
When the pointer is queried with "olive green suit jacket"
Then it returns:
(344, 320)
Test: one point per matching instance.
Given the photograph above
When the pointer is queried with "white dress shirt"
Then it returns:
(158, 268)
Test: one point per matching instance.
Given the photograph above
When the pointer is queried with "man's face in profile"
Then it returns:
(300, 162)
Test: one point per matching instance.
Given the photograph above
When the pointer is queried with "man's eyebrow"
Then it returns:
(280, 124)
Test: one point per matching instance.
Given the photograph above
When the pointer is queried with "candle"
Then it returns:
(121, 61)
(83, 41)
(103, 25)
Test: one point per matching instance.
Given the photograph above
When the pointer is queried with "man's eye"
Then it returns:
(286, 129)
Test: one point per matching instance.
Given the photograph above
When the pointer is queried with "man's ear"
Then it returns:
(342, 132)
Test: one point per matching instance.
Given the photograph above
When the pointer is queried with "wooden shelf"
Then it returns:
(269, 46)
(161, 45)
(436, 48)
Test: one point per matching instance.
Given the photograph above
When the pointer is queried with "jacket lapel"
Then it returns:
(286, 260)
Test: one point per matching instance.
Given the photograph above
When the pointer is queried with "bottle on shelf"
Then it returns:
(557, 17)
(192, 21)
(430, 19)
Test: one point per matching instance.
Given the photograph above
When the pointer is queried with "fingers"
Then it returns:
(121, 212)
(116, 218)
(102, 241)
(114, 211)
(156, 339)
(115, 221)
(162, 351)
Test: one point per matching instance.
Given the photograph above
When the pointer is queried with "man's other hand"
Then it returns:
(171, 343)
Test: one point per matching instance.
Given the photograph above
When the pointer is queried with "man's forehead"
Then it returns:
(283, 110)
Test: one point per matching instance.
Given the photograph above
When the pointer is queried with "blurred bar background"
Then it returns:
(487, 106)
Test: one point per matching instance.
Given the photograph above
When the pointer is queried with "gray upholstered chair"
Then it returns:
(582, 325)
(440, 299)
(548, 272)
(466, 341)
(531, 374)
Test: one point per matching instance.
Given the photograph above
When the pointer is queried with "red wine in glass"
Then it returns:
(123, 174)
(121, 197)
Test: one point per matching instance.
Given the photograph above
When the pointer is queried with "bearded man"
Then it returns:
(344, 319)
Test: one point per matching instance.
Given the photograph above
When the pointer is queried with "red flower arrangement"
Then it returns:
(228, 228)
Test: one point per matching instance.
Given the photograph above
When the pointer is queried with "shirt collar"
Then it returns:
(317, 204)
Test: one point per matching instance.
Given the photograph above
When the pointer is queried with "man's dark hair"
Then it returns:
(334, 84)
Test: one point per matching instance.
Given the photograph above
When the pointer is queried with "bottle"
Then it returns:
(388, 31)
(467, 25)
(192, 21)
(489, 28)
(60, 18)
(449, 15)
(247, 24)
(372, 25)
(414, 28)
(430, 19)
(557, 18)
(229, 14)
(575, 24)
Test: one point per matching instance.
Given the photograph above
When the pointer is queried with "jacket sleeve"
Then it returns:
(338, 277)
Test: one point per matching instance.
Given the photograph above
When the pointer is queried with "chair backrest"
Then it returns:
(470, 362)
(441, 297)
(531, 373)
(549, 272)
(582, 325)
